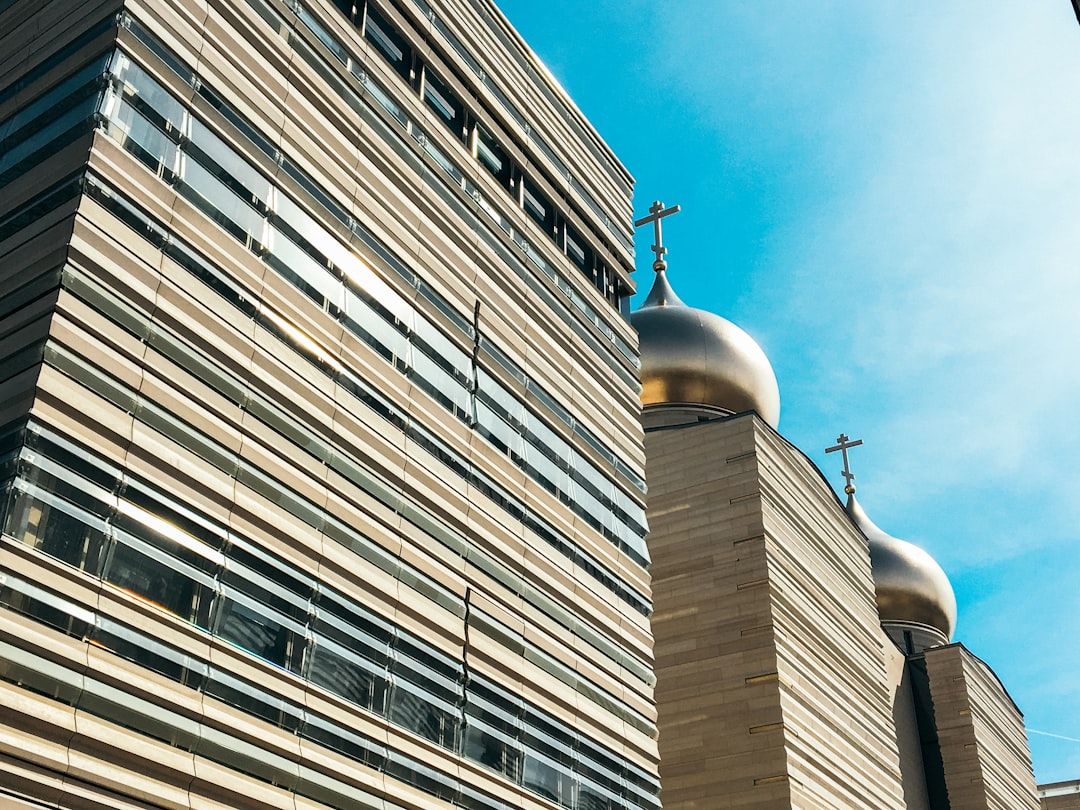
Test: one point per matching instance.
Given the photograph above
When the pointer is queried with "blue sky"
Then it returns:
(887, 197)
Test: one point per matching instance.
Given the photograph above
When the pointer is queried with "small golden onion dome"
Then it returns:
(690, 357)
(911, 587)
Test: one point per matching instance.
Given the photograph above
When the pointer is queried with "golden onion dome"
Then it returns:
(690, 357)
(911, 587)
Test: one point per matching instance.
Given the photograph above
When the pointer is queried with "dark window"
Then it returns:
(56, 529)
(411, 710)
(352, 677)
(158, 582)
(538, 207)
(389, 42)
(492, 156)
(578, 252)
(492, 750)
(439, 98)
(257, 633)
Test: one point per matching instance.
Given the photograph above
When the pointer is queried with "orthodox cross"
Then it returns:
(843, 443)
(656, 213)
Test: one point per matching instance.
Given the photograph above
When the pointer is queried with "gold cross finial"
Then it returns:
(656, 213)
(842, 444)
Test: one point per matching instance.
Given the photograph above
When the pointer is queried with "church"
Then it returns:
(804, 657)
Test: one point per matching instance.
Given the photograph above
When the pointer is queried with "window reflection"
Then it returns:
(375, 666)
(255, 630)
(155, 578)
(299, 247)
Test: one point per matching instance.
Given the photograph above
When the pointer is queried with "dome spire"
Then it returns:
(915, 600)
(695, 363)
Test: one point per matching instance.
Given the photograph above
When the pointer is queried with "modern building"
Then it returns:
(322, 472)
(1060, 795)
(803, 655)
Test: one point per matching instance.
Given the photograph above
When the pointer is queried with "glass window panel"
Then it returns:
(442, 349)
(260, 630)
(440, 384)
(242, 172)
(504, 402)
(427, 779)
(222, 204)
(330, 42)
(151, 94)
(340, 739)
(534, 256)
(313, 278)
(446, 687)
(247, 757)
(158, 581)
(171, 542)
(550, 738)
(491, 210)
(498, 432)
(53, 478)
(374, 330)
(388, 42)
(379, 295)
(269, 566)
(57, 528)
(544, 437)
(537, 205)
(44, 677)
(120, 706)
(439, 97)
(150, 653)
(265, 591)
(472, 799)
(592, 796)
(320, 238)
(383, 100)
(421, 714)
(364, 640)
(335, 607)
(348, 675)
(543, 468)
(493, 705)
(577, 250)
(492, 156)
(545, 777)
(46, 607)
(444, 162)
(250, 698)
(73, 457)
(492, 749)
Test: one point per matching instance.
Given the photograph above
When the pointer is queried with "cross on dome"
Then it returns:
(843, 443)
(656, 213)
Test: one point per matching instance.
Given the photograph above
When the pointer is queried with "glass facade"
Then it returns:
(78, 509)
(276, 495)
(310, 256)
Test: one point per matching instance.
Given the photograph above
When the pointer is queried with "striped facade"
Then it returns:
(322, 472)
(773, 684)
(777, 686)
(983, 750)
